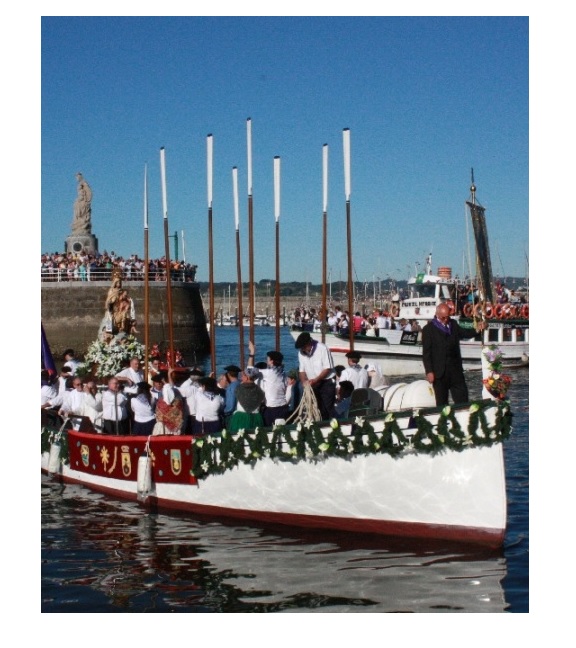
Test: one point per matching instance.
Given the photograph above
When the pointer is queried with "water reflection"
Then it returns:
(105, 555)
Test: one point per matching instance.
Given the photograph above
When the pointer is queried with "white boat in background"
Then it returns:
(399, 352)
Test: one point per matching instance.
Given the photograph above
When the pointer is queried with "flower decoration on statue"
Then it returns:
(496, 383)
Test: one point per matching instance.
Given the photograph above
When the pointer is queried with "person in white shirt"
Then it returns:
(143, 410)
(188, 390)
(73, 401)
(93, 404)
(380, 324)
(316, 369)
(209, 408)
(115, 416)
(273, 383)
(48, 390)
(71, 361)
(131, 376)
(356, 374)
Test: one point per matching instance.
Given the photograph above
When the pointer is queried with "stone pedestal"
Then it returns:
(77, 243)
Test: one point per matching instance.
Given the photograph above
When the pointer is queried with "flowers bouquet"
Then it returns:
(112, 358)
(496, 383)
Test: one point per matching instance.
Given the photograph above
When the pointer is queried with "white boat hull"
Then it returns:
(450, 495)
(396, 359)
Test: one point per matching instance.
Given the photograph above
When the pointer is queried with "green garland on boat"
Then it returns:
(215, 455)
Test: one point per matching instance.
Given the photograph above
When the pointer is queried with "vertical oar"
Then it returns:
(277, 219)
(238, 265)
(347, 185)
(146, 279)
(167, 254)
(250, 229)
(209, 151)
(323, 318)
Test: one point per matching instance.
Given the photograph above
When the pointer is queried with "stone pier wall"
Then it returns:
(72, 312)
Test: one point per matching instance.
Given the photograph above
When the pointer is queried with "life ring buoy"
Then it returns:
(524, 311)
(468, 310)
(395, 310)
(451, 306)
(488, 310)
(499, 311)
(512, 312)
(477, 310)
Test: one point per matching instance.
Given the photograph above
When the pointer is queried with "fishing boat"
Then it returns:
(410, 471)
(398, 352)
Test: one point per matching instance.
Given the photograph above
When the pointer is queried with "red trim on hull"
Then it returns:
(492, 538)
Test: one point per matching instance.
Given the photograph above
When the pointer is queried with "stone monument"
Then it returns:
(82, 239)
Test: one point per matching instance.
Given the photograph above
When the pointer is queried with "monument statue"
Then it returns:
(81, 240)
(82, 208)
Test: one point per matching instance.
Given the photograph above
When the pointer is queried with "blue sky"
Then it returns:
(426, 99)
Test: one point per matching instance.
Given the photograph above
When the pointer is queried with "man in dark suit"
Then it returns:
(441, 355)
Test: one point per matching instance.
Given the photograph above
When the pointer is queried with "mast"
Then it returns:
(277, 220)
(146, 278)
(209, 149)
(167, 254)
(250, 229)
(347, 187)
(483, 262)
(238, 264)
(323, 318)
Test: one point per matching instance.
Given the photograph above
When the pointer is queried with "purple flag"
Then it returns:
(47, 359)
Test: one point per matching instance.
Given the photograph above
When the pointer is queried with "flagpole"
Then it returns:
(323, 318)
(167, 254)
(250, 229)
(238, 264)
(347, 191)
(146, 278)
(209, 156)
(277, 219)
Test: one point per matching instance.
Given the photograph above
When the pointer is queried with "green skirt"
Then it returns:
(245, 421)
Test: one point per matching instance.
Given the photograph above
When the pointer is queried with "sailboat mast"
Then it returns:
(347, 187)
(167, 255)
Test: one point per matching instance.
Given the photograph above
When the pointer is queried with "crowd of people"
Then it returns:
(59, 266)
(339, 321)
(187, 401)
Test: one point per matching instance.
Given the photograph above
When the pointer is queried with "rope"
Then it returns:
(307, 409)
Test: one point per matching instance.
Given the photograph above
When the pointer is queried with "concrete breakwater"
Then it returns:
(72, 312)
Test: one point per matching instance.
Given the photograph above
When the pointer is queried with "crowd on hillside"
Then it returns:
(60, 266)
